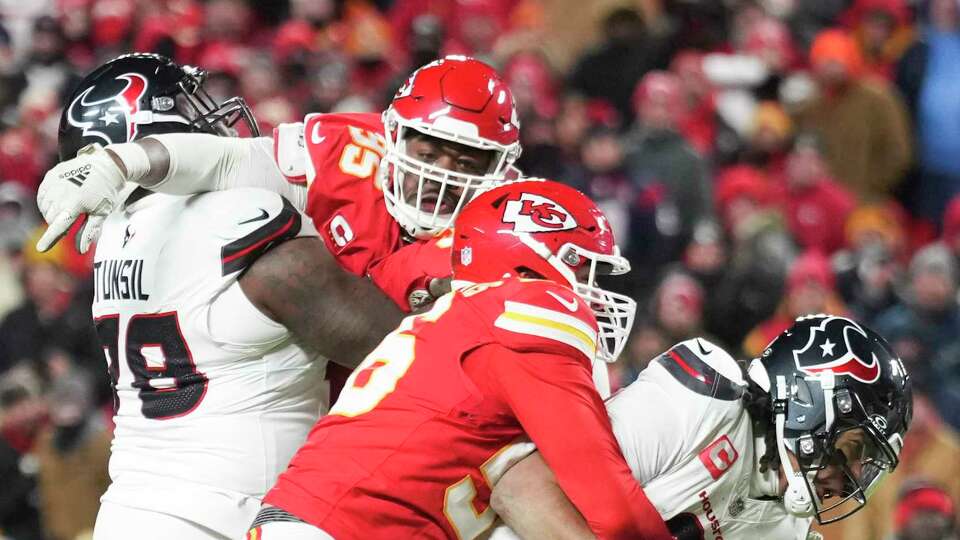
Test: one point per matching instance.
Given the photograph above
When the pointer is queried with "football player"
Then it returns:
(379, 188)
(431, 418)
(214, 312)
(373, 184)
(809, 431)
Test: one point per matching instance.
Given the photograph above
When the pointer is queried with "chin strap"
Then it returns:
(796, 499)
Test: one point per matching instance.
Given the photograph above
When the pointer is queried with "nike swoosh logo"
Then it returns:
(263, 215)
(570, 305)
(315, 137)
(703, 351)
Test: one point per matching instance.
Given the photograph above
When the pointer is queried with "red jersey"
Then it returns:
(338, 156)
(435, 415)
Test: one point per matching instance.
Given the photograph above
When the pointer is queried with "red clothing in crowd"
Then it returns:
(816, 215)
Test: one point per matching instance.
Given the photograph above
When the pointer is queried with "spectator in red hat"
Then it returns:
(862, 124)
(811, 288)
(924, 511)
(670, 177)
(816, 207)
(884, 32)
(760, 248)
(742, 191)
(699, 123)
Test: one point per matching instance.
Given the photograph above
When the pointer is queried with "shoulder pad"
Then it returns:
(289, 151)
(704, 368)
(247, 222)
(540, 316)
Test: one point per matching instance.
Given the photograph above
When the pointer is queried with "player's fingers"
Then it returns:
(57, 228)
(90, 232)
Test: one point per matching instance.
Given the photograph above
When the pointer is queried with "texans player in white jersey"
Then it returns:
(807, 433)
(215, 312)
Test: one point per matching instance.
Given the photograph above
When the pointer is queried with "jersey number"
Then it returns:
(160, 361)
(459, 501)
(362, 156)
(378, 374)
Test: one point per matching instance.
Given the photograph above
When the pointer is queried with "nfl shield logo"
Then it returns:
(466, 256)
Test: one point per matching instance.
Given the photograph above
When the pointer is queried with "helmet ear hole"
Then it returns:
(528, 272)
(498, 202)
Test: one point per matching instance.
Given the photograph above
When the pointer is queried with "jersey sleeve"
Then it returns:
(542, 316)
(201, 162)
(248, 222)
(552, 396)
(657, 418)
(405, 274)
(343, 153)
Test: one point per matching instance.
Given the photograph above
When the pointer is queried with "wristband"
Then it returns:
(134, 159)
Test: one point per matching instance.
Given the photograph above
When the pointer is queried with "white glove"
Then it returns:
(87, 184)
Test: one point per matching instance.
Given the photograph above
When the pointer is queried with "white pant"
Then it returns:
(117, 522)
(287, 530)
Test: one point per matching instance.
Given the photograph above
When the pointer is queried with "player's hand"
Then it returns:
(87, 184)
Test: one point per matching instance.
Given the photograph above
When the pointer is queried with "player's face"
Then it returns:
(455, 157)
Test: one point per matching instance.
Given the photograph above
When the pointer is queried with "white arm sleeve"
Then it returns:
(650, 433)
(201, 162)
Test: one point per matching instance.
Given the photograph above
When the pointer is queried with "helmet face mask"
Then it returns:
(546, 230)
(458, 100)
(135, 95)
(842, 403)
(207, 115)
(847, 464)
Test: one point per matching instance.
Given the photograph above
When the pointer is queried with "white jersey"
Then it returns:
(689, 442)
(213, 397)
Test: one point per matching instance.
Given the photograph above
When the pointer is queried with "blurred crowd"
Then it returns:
(758, 159)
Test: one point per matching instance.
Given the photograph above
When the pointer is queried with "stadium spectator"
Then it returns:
(760, 250)
(924, 511)
(72, 455)
(22, 416)
(612, 69)
(883, 31)
(671, 178)
(53, 314)
(927, 76)
(811, 289)
(816, 207)
(863, 125)
(928, 320)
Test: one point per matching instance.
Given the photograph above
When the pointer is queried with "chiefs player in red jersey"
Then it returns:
(443, 406)
(373, 184)
(379, 188)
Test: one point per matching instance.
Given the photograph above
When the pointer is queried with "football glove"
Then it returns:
(87, 184)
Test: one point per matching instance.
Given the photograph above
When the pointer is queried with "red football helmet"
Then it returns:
(548, 230)
(457, 99)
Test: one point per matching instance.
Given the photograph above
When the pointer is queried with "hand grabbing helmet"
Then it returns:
(144, 94)
(545, 229)
(841, 401)
(458, 100)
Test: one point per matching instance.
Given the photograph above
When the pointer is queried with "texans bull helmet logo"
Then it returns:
(842, 346)
(111, 118)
